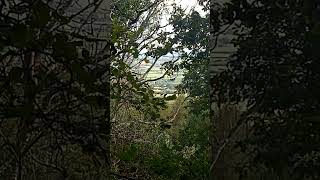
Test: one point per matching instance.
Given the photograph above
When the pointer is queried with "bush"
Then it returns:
(184, 156)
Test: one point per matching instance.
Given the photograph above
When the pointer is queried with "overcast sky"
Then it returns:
(185, 4)
(188, 4)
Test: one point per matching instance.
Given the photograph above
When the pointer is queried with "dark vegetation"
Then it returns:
(54, 121)
(276, 71)
(73, 104)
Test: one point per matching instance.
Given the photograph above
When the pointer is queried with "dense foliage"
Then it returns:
(276, 71)
(64, 83)
(54, 95)
(170, 143)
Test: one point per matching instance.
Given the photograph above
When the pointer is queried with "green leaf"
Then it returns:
(130, 77)
(135, 53)
(129, 154)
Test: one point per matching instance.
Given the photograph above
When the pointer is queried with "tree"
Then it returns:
(275, 70)
(140, 38)
(192, 31)
(136, 116)
(53, 101)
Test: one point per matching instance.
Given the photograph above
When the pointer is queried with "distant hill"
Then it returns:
(165, 85)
